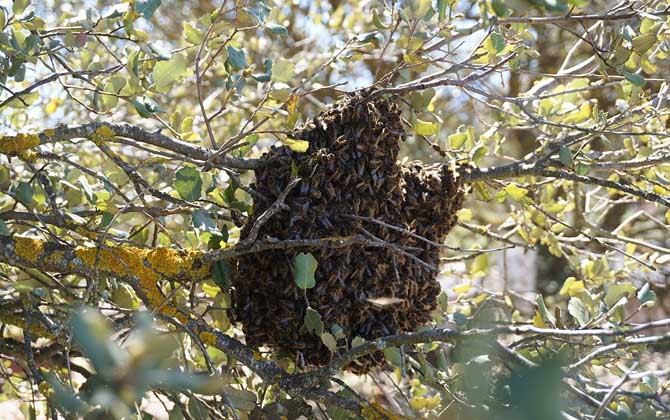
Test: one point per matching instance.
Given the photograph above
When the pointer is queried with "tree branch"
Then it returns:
(142, 135)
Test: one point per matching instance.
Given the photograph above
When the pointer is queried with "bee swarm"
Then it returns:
(349, 169)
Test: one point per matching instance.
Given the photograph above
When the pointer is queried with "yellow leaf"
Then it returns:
(299, 146)
(464, 215)
(463, 288)
(583, 114)
(557, 228)
(479, 299)
(425, 403)
(572, 287)
(457, 140)
(53, 105)
(488, 45)
(553, 207)
(424, 128)
(647, 66)
(480, 265)
(516, 192)
(660, 190)
(210, 289)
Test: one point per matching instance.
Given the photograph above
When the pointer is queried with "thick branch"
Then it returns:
(142, 135)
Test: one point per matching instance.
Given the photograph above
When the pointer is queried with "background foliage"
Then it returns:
(135, 124)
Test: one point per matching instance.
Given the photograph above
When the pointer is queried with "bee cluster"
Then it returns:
(350, 168)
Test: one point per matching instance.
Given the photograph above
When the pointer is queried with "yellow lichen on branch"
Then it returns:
(28, 248)
(208, 338)
(149, 266)
(13, 145)
(102, 134)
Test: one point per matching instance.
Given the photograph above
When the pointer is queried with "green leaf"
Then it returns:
(646, 296)
(313, 321)
(337, 331)
(24, 100)
(635, 79)
(482, 192)
(114, 85)
(304, 267)
(166, 73)
(615, 291)
(499, 8)
(457, 140)
(565, 156)
(578, 310)
(203, 222)
(162, 53)
(516, 192)
(329, 341)
(478, 153)
(378, 21)
(197, 409)
(236, 57)
(91, 333)
(151, 105)
(283, 71)
(393, 356)
(176, 414)
(88, 191)
(24, 192)
(643, 42)
(241, 399)
(3, 229)
(18, 6)
(124, 296)
(441, 9)
(582, 168)
(443, 301)
(546, 316)
(649, 384)
(141, 107)
(299, 146)
(498, 42)
(424, 128)
(278, 29)
(267, 75)
(418, 9)
(221, 274)
(188, 183)
(192, 34)
(146, 8)
(357, 341)
(105, 219)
